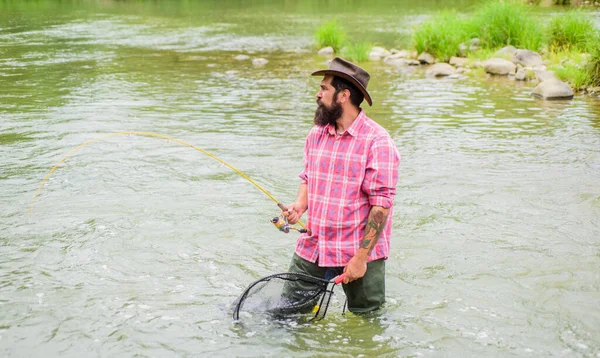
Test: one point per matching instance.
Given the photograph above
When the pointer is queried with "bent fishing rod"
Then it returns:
(280, 222)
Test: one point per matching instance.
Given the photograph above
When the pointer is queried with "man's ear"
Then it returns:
(345, 95)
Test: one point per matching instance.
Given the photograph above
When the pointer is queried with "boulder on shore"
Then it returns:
(527, 58)
(426, 58)
(439, 70)
(553, 89)
(543, 75)
(326, 51)
(377, 53)
(499, 66)
(505, 52)
(459, 61)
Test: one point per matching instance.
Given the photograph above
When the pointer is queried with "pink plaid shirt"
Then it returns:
(346, 175)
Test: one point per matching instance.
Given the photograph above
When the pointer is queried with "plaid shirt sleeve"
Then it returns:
(381, 174)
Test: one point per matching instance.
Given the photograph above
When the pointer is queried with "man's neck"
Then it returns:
(348, 117)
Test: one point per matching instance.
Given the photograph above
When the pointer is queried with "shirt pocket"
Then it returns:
(349, 169)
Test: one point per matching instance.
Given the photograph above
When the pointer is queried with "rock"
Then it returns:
(459, 61)
(473, 48)
(241, 57)
(521, 74)
(259, 61)
(553, 89)
(543, 75)
(462, 50)
(454, 76)
(399, 62)
(396, 61)
(594, 89)
(426, 58)
(499, 66)
(505, 52)
(326, 51)
(527, 58)
(400, 54)
(439, 70)
(475, 42)
(381, 50)
(377, 53)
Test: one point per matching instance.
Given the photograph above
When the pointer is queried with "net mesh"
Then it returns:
(285, 294)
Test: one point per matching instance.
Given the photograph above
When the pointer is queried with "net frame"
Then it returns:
(325, 292)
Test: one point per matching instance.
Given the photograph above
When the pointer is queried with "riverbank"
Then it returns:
(496, 37)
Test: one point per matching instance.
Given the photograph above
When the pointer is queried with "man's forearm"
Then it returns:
(302, 196)
(375, 225)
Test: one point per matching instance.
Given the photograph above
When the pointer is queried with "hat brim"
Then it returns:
(346, 77)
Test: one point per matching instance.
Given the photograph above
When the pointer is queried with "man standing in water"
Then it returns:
(347, 189)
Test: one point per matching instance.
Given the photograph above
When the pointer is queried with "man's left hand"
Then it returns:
(356, 268)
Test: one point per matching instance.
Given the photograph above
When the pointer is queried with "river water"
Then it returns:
(137, 246)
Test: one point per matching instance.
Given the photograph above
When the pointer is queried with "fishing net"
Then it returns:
(286, 294)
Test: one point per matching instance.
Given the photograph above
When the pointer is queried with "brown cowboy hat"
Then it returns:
(349, 71)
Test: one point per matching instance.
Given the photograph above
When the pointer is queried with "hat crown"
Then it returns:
(341, 65)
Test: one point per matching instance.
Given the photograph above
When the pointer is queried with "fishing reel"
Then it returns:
(282, 224)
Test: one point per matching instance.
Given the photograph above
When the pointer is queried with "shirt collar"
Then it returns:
(354, 127)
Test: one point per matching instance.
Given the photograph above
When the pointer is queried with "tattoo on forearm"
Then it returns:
(375, 225)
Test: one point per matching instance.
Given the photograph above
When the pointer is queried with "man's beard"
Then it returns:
(328, 115)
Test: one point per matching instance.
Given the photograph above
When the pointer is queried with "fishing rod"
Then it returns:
(280, 222)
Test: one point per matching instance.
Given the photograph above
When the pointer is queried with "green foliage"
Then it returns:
(570, 30)
(330, 34)
(357, 52)
(575, 75)
(561, 2)
(578, 68)
(592, 67)
(442, 35)
(502, 23)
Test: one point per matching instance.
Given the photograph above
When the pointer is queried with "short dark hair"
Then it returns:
(340, 84)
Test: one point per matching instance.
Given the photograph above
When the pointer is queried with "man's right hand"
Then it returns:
(294, 212)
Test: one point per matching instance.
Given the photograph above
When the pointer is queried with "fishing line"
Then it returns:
(156, 135)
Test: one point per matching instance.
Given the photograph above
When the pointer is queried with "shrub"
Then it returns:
(507, 23)
(357, 52)
(330, 34)
(570, 30)
(592, 67)
(442, 35)
(576, 76)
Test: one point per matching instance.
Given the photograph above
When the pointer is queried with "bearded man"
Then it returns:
(347, 189)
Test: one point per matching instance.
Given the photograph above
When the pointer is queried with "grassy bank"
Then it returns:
(569, 41)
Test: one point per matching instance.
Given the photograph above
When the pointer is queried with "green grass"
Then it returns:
(507, 23)
(481, 54)
(496, 23)
(441, 35)
(592, 67)
(570, 30)
(330, 34)
(577, 68)
(357, 52)
(575, 75)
